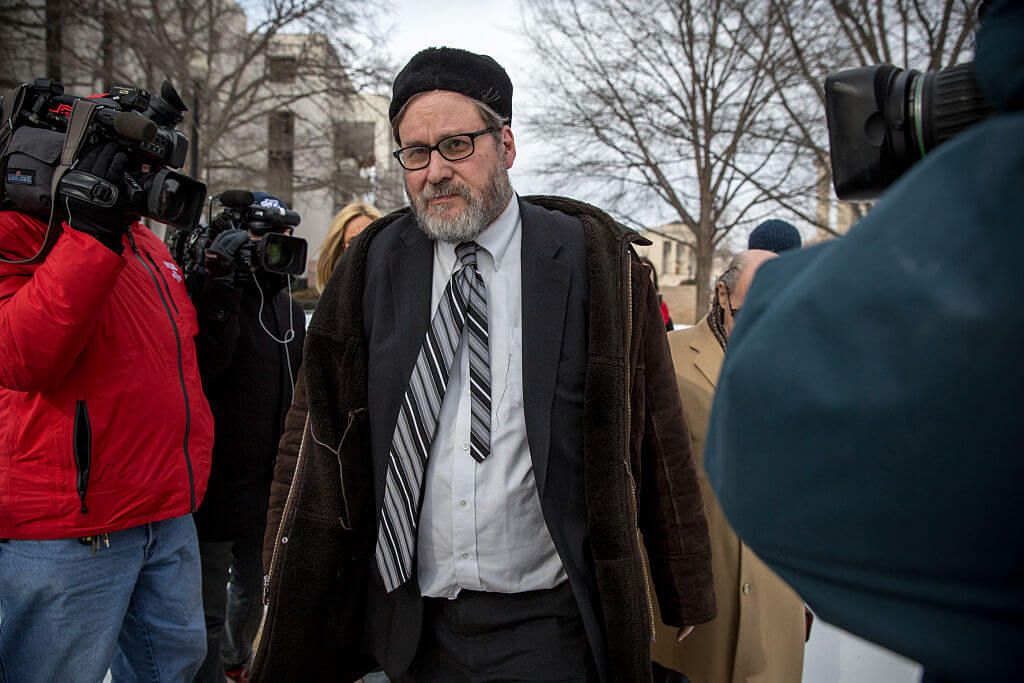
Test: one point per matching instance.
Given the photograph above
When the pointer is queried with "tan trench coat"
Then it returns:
(758, 636)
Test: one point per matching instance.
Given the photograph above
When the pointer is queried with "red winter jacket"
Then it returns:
(103, 422)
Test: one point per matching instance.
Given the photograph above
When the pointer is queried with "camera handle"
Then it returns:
(89, 188)
(82, 113)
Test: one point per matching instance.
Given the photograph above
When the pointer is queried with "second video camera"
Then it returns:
(272, 252)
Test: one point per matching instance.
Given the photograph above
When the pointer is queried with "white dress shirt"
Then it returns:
(481, 525)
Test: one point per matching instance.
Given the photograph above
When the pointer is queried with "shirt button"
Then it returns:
(462, 503)
(465, 556)
(747, 588)
(465, 446)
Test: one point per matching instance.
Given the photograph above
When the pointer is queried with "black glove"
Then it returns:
(107, 224)
(222, 222)
(226, 256)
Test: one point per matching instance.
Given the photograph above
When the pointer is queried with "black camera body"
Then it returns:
(140, 122)
(273, 252)
(882, 120)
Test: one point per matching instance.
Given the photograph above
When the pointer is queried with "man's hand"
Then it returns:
(107, 224)
(683, 632)
(225, 255)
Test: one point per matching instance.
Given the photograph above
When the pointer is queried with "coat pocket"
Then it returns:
(82, 449)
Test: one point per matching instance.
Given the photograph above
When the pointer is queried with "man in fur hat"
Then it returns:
(492, 420)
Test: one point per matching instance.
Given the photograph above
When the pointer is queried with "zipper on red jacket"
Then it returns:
(181, 371)
(170, 297)
(82, 448)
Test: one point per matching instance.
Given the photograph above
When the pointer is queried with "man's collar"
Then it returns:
(496, 237)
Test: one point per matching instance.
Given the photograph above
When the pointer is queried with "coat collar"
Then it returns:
(709, 352)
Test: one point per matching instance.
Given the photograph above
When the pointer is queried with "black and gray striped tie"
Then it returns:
(464, 301)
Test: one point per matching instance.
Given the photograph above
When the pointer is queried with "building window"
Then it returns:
(281, 155)
(282, 69)
(354, 140)
(354, 160)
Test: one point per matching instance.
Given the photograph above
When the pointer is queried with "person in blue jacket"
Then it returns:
(867, 433)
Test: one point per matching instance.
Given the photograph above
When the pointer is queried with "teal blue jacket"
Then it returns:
(867, 435)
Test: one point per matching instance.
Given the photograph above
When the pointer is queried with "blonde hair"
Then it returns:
(334, 243)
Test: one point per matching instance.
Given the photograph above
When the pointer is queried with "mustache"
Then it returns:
(445, 187)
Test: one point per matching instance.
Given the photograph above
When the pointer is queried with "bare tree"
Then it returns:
(823, 36)
(666, 104)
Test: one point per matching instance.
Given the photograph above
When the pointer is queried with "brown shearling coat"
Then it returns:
(638, 472)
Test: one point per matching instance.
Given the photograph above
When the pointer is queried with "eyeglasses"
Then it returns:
(734, 311)
(452, 148)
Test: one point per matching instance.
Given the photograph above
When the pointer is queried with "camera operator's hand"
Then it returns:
(107, 224)
(221, 223)
(227, 256)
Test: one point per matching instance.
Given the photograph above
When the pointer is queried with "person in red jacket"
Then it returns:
(105, 442)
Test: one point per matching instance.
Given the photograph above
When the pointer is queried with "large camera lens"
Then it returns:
(278, 257)
(882, 120)
(173, 198)
(282, 254)
(171, 203)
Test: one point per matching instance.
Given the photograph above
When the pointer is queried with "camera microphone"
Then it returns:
(131, 125)
(236, 199)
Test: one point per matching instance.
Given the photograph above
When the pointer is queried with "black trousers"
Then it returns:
(532, 636)
(232, 603)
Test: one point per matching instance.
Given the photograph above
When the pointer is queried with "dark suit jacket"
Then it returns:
(396, 314)
(605, 428)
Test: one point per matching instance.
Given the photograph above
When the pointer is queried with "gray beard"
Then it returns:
(480, 211)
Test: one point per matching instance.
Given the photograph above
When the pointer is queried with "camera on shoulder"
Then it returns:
(42, 130)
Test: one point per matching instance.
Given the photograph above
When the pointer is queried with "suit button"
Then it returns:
(747, 588)
(284, 539)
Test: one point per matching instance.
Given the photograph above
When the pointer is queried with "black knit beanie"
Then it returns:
(774, 235)
(461, 71)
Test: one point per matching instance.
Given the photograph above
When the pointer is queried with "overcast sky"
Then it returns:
(483, 26)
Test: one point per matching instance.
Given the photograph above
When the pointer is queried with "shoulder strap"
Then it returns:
(81, 117)
(10, 105)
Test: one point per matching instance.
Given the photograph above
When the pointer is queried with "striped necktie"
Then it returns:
(463, 305)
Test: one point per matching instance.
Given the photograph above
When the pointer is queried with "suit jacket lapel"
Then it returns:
(545, 284)
(411, 269)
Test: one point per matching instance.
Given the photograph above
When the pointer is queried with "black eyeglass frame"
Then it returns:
(734, 311)
(431, 148)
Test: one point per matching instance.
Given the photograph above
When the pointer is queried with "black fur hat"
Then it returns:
(461, 71)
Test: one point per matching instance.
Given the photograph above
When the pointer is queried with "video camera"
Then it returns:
(882, 120)
(143, 123)
(274, 252)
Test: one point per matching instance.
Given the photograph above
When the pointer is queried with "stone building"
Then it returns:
(673, 256)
